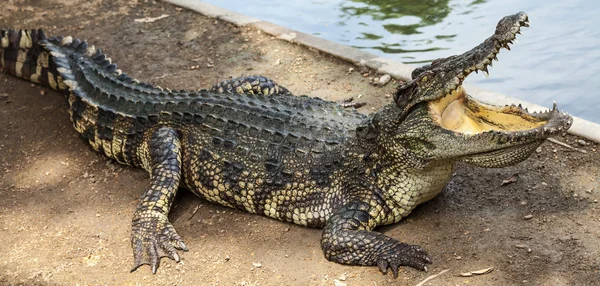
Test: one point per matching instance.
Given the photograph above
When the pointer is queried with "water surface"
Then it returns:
(556, 59)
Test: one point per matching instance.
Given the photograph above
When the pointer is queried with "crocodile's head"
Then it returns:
(435, 118)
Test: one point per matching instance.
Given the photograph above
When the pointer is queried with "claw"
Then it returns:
(395, 270)
(383, 266)
(428, 259)
(182, 246)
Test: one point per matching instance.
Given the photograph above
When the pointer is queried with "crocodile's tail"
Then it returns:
(23, 54)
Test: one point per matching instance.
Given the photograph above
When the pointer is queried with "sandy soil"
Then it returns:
(65, 210)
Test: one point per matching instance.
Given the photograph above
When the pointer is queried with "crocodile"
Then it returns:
(250, 144)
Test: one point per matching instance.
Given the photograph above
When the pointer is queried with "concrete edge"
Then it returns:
(398, 70)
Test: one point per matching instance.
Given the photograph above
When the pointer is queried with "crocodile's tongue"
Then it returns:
(460, 113)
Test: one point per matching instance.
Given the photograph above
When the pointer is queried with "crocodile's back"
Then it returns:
(254, 146)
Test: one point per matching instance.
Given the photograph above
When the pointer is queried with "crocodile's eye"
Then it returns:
(424, 77)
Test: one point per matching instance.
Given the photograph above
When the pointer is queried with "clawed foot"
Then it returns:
(154, 237)
(402, 254)
(349, 102)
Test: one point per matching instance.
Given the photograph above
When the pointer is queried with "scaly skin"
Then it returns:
(296, 159)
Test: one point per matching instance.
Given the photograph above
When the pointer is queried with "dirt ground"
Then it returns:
(65, 210)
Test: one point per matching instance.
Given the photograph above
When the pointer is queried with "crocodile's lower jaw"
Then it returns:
(460, 113)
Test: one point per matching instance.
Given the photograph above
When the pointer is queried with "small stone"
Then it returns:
(86, 175)
(350, 70)
(227, 258)
(384, 79)
(520, 246)
(3, 96)
(343, 277)
(339, 283)
(582, 142)
(387, 95)
(538, 150)
(209, 65)
(458, 257)
(47, 173)
(483, 271)
(595, 200)
(528, 216)
(256, 264)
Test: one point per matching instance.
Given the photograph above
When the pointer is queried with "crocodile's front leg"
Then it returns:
(348, 239)
(153, 236)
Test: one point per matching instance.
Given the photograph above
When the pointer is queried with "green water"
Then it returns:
(556, 59)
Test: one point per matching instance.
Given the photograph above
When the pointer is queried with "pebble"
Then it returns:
(339, 283)
(256, 264)
(528, 216)
(85, 175)
(384, 79)
(582, 142)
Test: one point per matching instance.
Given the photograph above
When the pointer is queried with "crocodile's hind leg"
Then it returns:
(153, 236)
(349, 102)
(348, 239)
(250, 84)
(264, 85)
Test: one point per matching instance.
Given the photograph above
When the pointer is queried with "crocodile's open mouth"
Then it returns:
(461, 113)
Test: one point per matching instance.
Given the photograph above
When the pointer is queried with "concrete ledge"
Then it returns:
(398, 70)
(215, 12)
